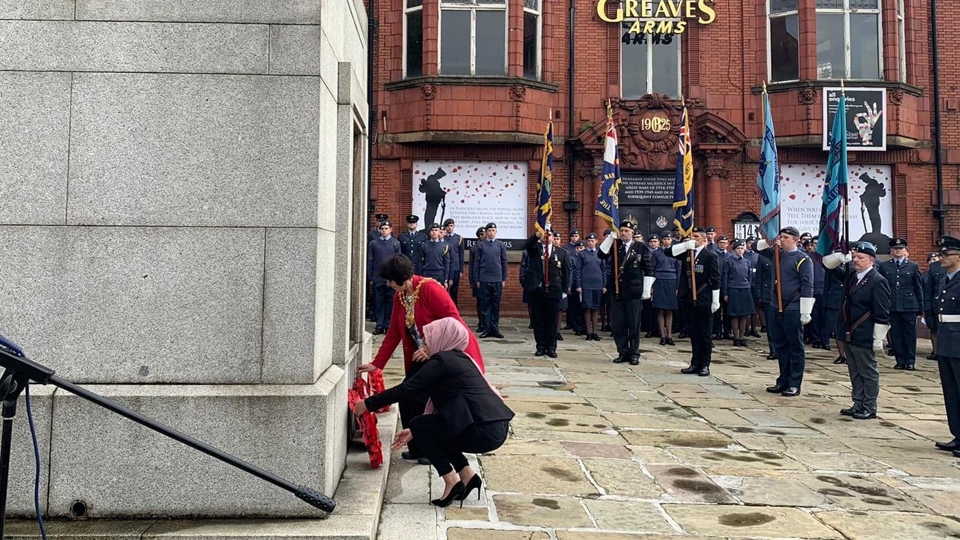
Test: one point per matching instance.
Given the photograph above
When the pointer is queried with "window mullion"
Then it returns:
(649, 88)
(848, 68)
(473, 42)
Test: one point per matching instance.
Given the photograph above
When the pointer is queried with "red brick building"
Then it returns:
(464, 88)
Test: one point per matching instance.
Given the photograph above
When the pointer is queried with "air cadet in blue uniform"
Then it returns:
(412, 240)
(711, 239)
(434, 260)
(374, 233)
(762, 291)
(906, 288)
(379, 250)
(831, 324)
(786, 328)
(721, 321)
(488, 276)
(631, 282)
(947, 309)
(667, 271)
(574, 311)
(753, 257)
(931, 284)
(590, 283)
(456, 242)
(736, 280)
(702, 276)
(815, 336)
(866, 320)
(474, 284)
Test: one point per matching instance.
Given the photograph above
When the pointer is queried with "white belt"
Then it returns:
(950, 318)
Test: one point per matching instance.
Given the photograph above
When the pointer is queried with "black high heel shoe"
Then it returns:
(456, 493)
(475, 483)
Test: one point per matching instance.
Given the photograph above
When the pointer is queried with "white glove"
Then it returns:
(879, 332)
(682, 247)
(834, 260)
(647, 287)
(607, 242)
(715, 304)
(806, 309)
(762, 244)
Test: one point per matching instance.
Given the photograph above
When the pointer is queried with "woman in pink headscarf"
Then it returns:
(464, 413)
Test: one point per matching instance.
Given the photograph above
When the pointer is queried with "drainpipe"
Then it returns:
(371, 101)
(571, 205)
(940, 213)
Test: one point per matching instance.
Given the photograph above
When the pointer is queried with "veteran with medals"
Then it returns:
(547, 282)
(699, 293)
(630, 282)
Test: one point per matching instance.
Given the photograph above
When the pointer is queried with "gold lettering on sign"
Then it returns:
(655, 124)
(643, 10)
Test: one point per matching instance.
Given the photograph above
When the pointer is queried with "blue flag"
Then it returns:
(683, 182)
(608, 200)
(835, 184)
(768, 178)
(544, 183)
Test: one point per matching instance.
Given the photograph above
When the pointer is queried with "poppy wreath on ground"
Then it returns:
(375, 380)
(367, 422)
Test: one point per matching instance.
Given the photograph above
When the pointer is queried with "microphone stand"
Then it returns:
(19, 371)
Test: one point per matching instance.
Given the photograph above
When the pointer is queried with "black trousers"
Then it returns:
(481, 323)
(455, 289)
(625, 323)
(903, 337)
(412, 408)
(382, 305)
(436, 441)
(575, 313)
(544, 310)
(490, 293)
(950, 383)
(699, 326)
(786, 332)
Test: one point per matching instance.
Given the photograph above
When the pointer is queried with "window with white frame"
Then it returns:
(531, 38)
(848, 39)
(783, 34)
(412, 38)
(473, 37)
(902, 40)
(649, 63)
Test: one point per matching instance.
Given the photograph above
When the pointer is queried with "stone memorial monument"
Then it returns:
(182, 194)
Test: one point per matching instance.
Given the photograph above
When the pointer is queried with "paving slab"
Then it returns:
(748, 522)
(859, 492)
(761, 491)
(536, 474)
(687, 439)
(882, 526)
(687, 484)
(534, 511)
(454, 533)
(622, 477)
(630, 516)
(596, 450)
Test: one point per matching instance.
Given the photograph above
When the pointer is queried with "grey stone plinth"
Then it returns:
(136, 47)
(241, 11)
(296, 432)
(131, 304)
(36, 9)
(295, 50)
(22, 462)
(33, 147)
(195, 150)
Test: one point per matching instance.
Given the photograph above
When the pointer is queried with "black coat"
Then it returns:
(560, 271)
(871, 295)
(459, 392)
(707, 270)
(629, 268)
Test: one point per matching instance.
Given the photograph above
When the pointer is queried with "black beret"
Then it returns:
(574, 232)
(627, 223)
(898, 243)
(381, 217)
(412, 218)
(722, 237)
(448, 221)
(751, 239)
(947, 243)
(579, 243)
(384, 224)
(709, 229)
(480, 230)
(434, 226)
(737, 243)
(491, 225)
(700, 229)
(864, 247)
(592, 235)
(792, 231)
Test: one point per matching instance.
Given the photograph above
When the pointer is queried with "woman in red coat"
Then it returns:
(418, 302)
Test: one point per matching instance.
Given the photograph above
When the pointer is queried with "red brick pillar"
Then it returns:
(714, 176)
(807, 17)
(431, 36)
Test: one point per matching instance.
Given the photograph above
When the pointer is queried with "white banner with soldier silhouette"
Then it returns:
(473, 193)
(871, 201)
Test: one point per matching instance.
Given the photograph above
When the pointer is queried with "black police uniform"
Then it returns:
(906, 288)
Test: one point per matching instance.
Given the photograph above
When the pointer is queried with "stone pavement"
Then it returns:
(614, 452)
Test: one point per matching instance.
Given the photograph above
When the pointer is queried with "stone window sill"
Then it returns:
(441, 80)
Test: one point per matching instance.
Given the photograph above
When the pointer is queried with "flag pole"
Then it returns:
(616, 265)
(693, 265)
(846, 192)
(776, 248)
